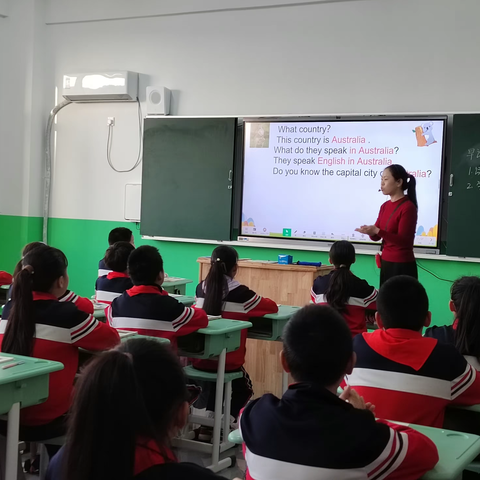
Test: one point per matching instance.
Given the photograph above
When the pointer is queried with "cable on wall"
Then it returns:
(110, 143)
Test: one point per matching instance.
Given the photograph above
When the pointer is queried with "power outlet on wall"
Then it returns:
(111, 121)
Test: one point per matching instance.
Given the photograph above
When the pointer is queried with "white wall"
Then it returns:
(370, 56)
(4, 8)
(22, 113)
(65, 11)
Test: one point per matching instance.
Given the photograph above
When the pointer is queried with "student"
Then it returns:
(409, 377)
(220, 294)
(81, 303)
(111, 286)
(310, 433)
(465, 331)
(5, 278)
(128, 405)
(35, 323)
(119, 234)
(146, 308)
(343, 291)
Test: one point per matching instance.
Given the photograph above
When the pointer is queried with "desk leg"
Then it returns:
(218, 408)
(13, 425)
(284, 381)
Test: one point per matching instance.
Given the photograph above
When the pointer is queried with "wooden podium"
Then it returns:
(286, 285)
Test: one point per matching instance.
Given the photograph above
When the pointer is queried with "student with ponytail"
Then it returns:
(36, 324)
(465, 331)
(221, 294)
(128, 405)
(81, 303)
(342, 290)
(396, 224)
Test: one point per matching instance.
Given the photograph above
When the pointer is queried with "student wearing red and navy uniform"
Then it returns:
(146, 308)
(119, 234)
(310, 433)
(83, 304)
(396, 224)
(5, 278)
(409, 377)
(221, 294)
(128, 405)
(112, 285)
(342, 290)
(35, 323)
(464, 333)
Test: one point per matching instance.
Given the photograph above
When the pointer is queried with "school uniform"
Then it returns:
(5, 278)
(446, 334)
(149, 310)
(82, 303)
(240, 303)
(111, 286)
(150, 464)
(60, 330)
(311, 434)
(362, 296)
(102, 268)
(410, 378)
(397, 222)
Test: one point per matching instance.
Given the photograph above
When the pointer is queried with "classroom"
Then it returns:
(310, 83)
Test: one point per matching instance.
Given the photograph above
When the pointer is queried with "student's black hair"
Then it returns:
(408, 181)
(342, 255)
(40, 268)
(26, 249)
(119, 234)
(144, 265)
(465, 295)
(124, 397)
(317, 345)
(403, 303)
(116, 256)
(223, 262)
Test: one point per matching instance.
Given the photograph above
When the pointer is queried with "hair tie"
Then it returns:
(217, 260)
(342, 266)
(29, 268)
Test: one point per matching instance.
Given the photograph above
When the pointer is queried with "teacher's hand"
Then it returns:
(370, 230)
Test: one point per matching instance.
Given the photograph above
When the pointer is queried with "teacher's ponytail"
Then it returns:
(409, 183)
(412, 189)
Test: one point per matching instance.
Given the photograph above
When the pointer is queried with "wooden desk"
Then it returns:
(285, 284)
(21, 386)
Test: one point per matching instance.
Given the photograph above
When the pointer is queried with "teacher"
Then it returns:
(396, 224)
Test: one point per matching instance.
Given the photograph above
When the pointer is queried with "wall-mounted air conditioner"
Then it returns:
(118, 86)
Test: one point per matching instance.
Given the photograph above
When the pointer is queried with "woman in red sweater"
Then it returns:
(396, 224)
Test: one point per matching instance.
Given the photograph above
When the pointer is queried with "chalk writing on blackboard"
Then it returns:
(469, 186)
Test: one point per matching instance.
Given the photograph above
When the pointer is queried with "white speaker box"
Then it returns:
(158, 101)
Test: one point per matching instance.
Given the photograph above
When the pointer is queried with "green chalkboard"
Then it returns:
(463, 230)
(187, 177)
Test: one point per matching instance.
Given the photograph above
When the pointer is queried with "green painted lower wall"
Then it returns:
(84, 242)
(16, 232)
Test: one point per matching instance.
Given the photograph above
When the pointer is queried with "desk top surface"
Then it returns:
(273, 266)
(224, 325)
(173, 281)
(284, 313)
(456, 450)
(32, 367)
